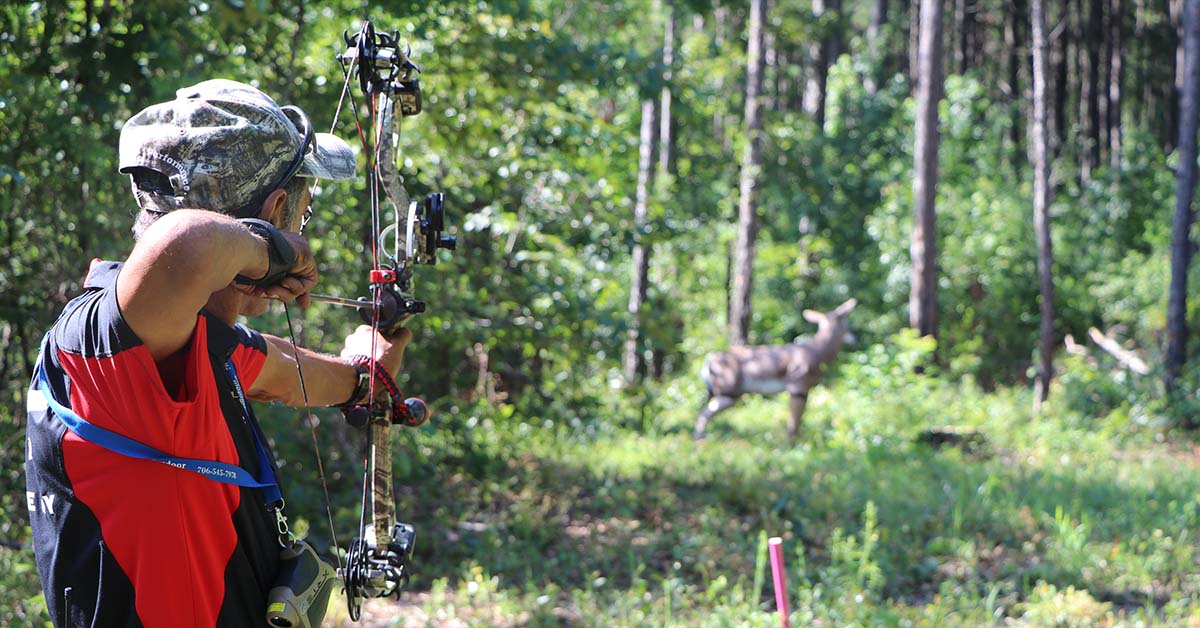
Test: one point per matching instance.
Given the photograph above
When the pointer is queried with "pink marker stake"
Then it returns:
(775, 546)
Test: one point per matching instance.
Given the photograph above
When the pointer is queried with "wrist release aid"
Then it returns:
(281, 255)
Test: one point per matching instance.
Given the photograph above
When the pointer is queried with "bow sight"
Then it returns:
(391, 302)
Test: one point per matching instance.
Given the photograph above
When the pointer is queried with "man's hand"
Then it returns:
(300, 278)
(387, 350)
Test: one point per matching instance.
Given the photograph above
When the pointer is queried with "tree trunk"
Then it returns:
(833, 38)
(1115, 74)
(1139, 107)
(877, 63)
(1013, 28)
(818, 57)
(1104, 55)
(666, 146)
(1085, 87)
(772, 97)
(1060, 86)
(960, 37)
(1174, 104)
(922, 300)
(1041, 206)
(899, 53)
(743, 275)
(1185, 185)
(914, 35)
(1090, 38)
(634, 365)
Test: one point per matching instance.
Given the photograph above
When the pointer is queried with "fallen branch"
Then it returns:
(1074, 348)
(1123, 355)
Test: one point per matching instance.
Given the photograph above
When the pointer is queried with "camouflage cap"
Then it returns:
(224, 146)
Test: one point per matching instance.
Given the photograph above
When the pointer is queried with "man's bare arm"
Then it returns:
(330, 380)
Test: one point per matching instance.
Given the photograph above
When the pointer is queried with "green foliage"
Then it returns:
(527, 520)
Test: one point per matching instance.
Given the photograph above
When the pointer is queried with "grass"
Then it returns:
(616, 518)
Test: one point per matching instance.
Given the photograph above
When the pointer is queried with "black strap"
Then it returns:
(281, 255)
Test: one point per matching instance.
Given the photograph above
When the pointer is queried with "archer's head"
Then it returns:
(227, 147)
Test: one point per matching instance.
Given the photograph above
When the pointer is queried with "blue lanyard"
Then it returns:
(211, 469)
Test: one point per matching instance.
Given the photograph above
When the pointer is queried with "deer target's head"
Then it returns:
(835, 323)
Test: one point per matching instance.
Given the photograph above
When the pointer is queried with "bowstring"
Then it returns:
(309, 417)
(312, 426)
(364, 500)
(372, 99)
(337, 114)
(370, 151)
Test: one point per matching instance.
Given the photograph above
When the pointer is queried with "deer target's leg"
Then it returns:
(715, 405)
(797, 403)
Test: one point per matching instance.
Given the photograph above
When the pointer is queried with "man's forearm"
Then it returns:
(198, 252)
(328, 380)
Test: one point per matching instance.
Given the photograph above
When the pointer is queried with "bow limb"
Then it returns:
(404, 228)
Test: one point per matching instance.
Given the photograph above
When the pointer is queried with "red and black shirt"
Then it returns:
(128, 542)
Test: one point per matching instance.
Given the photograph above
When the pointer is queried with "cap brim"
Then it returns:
(331, 158)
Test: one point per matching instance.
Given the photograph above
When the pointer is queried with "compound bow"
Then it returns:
(378, 559)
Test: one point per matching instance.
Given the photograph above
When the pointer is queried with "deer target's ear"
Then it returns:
(846, 307)
(813, 316)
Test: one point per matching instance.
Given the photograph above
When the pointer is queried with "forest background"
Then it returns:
(587, 149)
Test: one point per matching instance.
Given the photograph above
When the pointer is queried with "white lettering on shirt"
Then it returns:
(46, 503)
(35, 401)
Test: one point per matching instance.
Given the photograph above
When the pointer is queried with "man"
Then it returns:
(152, 353)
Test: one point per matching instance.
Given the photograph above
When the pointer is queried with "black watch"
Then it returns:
(281, 255)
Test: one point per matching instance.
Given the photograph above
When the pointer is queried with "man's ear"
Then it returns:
(274, 208)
